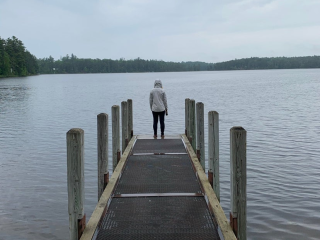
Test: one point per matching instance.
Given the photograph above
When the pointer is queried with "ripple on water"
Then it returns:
(279, 110)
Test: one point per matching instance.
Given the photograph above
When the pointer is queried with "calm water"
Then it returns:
(278, 108)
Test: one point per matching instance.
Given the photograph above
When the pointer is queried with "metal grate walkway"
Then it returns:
(158, 197)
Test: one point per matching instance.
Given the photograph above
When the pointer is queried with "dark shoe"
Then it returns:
(162, 136)
(155, 136)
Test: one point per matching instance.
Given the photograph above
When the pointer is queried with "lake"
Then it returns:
(278, 108)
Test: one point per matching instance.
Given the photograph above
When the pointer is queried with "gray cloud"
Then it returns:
(205, 30)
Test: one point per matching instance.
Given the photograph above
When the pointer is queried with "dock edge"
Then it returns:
(101, 208)
(213, 202)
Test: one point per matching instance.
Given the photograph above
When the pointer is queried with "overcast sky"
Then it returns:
(170, 30)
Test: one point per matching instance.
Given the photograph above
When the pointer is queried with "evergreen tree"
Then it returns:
(15, 60)
(16, 52)
(2, 52)
(31, 63)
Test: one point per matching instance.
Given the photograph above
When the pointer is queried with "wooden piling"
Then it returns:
(118, 156)
(186, 109)
(130, 119)
(102, 132)
(238, 168)
(75, 169)
(124, 121)
(200, 134)
(213, 152)
(115, 135)
(192, 127)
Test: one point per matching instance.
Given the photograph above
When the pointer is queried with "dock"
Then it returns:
(158, 189)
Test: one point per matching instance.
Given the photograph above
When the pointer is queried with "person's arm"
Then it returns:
(165, 102)
(151, 100)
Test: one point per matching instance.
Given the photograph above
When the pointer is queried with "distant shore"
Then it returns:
(73, 64)
(2, 77)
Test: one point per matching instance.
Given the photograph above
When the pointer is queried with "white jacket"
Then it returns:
(158, 98)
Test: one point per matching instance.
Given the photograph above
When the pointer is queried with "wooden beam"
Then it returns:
(124, 121)
(238, 168)
(186, 110)
(75, 169)
(192, 124)
(130, 119)
(102, 146)
(213, 152)
(115, 134)
(101, 207)
(211, 197)
(200, 134)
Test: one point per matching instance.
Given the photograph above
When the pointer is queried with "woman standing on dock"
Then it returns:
(158, 106)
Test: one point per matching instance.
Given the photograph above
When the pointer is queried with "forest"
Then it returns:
(72, 64)
(15, 59)
(269, 63)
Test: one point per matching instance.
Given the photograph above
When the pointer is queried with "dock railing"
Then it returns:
(194, 142)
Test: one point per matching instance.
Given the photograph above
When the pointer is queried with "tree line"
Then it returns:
(73, 64)
(269, 63)
(15, 59)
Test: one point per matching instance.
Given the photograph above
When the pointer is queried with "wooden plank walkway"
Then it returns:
(158, 196)
(158, 191)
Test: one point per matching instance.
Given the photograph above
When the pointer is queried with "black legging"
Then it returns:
(156, 115)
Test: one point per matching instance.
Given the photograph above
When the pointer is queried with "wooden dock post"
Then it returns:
(200, 135)
(115, 135)
(75, 169)
(192, 127)
(238, 168)
(186, 109)
(102, 132)
(130, 119)
(124, 121)
(213, 153)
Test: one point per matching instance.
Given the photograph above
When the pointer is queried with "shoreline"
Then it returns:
(2, 77)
